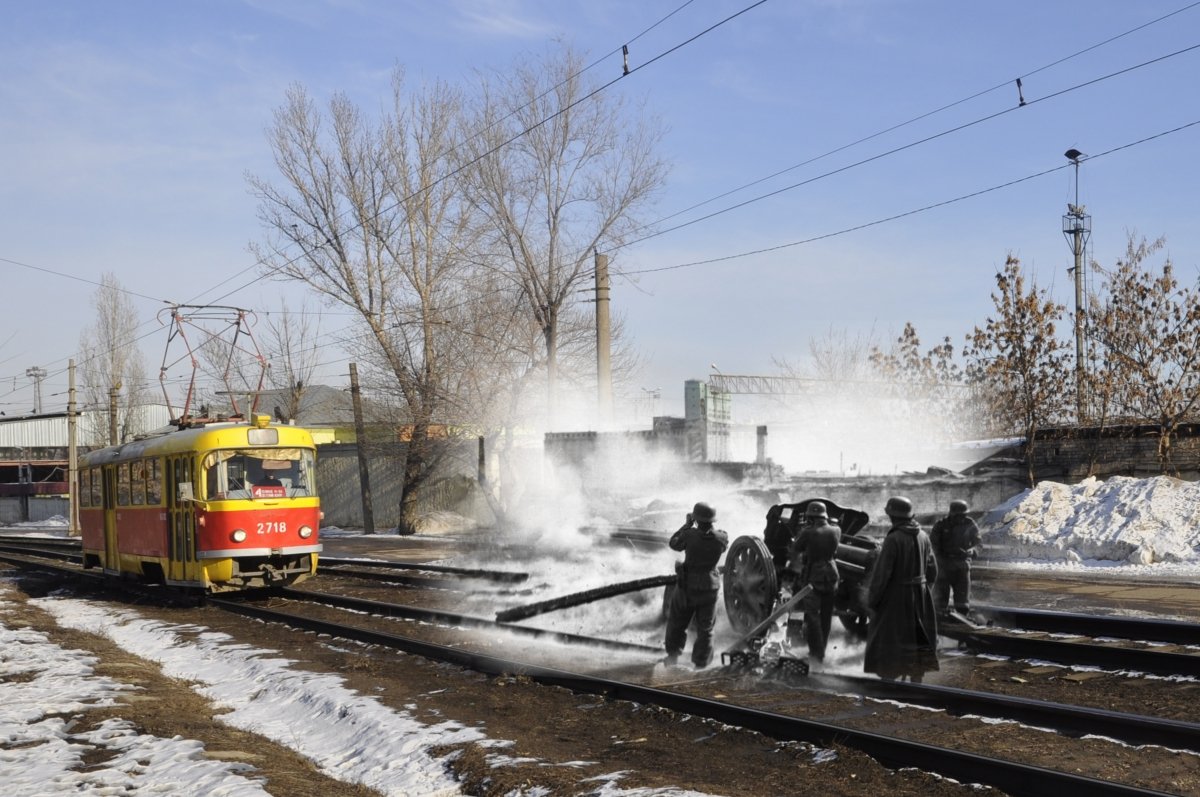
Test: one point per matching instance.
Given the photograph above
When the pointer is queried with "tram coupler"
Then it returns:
(272, 574)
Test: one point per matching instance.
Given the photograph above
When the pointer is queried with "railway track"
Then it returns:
(1097, 625)
(832, 708)
(1109, 654)
(1066, 719)
(50, 547)
(1109, 649)
(772, 711)
(1137, 644)
(336, 564)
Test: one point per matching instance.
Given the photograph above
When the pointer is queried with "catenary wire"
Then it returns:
(912, 212)
(910, 145)
(919, 117)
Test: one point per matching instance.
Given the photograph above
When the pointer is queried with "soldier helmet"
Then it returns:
(703, 513)
(899, 507)
(816, 509)
(958, 507)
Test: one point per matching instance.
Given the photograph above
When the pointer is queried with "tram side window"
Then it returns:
(123, 484)
(137, 482)
(97, 487)
(183, 480)
(154, 481)
(85, 488)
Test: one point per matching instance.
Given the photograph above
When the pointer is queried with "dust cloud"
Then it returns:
(561, 518)
(851, 432)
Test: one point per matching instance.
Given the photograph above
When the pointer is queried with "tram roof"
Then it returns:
(226, 434)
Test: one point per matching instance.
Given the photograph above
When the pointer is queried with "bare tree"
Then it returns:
(931, 379)
(111, 364)
(837, 361)
(379, 223)
(1020, 361)
(840, 358)
(559, 173)
(1149, 331)
(292, 349)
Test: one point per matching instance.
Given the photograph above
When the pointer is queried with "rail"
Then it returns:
(1012, 777)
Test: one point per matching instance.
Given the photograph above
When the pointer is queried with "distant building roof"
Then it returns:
(50, 430)
(320, 405)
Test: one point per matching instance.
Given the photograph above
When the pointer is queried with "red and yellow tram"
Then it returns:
(220, 507)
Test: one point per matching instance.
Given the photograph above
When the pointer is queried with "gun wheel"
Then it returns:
(749, 582)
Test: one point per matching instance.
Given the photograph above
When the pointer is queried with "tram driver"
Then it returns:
(266, 484)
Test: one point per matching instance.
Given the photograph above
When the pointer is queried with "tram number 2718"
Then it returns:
(272, 527)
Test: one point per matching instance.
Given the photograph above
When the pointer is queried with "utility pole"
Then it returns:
(72, 456)
(113, 393)
(1077, 227)
(364, 474)
(37, 374)
(603, 343)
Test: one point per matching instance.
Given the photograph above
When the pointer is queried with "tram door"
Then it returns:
(181, 519)
(112, 562)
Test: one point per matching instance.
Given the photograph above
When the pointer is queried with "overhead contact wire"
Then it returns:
(912, 212)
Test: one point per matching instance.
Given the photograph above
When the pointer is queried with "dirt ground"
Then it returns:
(560, 740)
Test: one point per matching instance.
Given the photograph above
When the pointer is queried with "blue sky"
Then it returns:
(128, 128)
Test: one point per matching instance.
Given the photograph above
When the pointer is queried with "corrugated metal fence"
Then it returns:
(453, 488)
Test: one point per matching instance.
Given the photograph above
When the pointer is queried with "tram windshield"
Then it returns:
(259, 473)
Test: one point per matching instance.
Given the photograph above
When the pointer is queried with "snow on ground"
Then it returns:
(1145, 527)
(42, 685)
(349, 736)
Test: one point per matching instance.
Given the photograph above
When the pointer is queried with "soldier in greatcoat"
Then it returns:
(902, 636)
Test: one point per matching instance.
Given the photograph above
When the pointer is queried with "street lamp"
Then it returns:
(651, 397)
(715, 381)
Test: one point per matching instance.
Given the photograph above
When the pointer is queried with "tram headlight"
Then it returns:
(305, 532)
(238, 535)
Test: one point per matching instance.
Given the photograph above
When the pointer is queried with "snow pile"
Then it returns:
(52, 522)
(443, 523)
(1121, 519)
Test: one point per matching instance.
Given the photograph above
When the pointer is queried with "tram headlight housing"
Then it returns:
(238, 535)
(305, 532)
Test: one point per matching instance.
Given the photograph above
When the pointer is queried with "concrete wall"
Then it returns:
(1070, 455)
(40, 509)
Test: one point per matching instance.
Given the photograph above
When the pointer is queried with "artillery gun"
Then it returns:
(754, 567)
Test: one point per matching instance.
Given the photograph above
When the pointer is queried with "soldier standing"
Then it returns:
(812, 560)
(695, 594)
(902, 637)
(955, 542)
